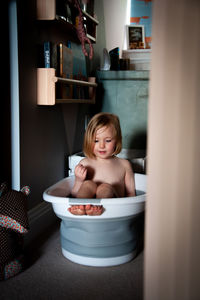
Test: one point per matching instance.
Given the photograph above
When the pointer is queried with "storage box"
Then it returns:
(139, 58)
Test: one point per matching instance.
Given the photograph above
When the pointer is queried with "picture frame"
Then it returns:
(135, 36)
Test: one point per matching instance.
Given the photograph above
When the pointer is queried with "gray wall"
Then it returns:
(43, 140)
(101, 40)
(125, 93)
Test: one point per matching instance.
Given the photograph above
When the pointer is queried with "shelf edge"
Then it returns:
(78, 101)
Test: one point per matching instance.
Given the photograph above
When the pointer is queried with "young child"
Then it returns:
(101, 174)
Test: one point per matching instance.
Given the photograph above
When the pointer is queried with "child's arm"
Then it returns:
(80, 175)
(129, 180)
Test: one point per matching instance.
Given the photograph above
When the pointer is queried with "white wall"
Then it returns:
(172, 241)
(115, 16)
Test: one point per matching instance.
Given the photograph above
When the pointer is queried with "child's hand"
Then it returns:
(80, 172)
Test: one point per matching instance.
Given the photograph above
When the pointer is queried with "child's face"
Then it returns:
(104, 143)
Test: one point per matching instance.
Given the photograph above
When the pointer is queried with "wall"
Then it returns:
(43, 142)
(112, 16)
(94, 64)
(47, 134)
(46, 138)
(125, 93)
(141, 14)
(115, 12)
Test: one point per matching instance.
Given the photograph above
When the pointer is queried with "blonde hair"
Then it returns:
(98, 121)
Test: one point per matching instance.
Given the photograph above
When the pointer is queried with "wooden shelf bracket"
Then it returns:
(46, 88)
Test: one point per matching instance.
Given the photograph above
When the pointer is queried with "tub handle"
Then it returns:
(73, 201)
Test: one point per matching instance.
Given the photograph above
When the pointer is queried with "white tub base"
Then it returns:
(99, 262)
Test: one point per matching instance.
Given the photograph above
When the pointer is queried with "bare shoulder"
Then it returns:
(86, 161)
(83, 161)
(125, 163)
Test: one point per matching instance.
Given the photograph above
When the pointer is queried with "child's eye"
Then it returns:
(96, 141)
(108, 141)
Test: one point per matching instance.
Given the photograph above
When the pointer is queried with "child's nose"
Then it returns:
(102, 144)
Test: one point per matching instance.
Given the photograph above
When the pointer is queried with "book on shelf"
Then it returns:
(47, 54)
(68, 62)
(79, 72)
(70, 67)
(65, 67)
(54, 59)
(59, 57)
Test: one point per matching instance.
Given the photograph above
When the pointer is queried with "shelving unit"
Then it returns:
(46, 10)
(46, 88)
(54, 19)
(90, 25)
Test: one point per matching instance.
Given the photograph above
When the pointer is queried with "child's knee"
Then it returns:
(89, 184)
(105, 190)
(105, 186)
(87, 189)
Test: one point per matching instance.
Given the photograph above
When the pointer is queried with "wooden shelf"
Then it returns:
(46, 88)
(68, 101)
(46, 11)
(89, 17)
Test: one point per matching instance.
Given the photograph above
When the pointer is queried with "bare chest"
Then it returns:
(111, 173)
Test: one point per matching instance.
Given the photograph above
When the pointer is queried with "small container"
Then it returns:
(124, 63)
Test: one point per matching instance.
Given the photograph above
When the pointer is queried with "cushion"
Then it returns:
(13, 209)
(13, 224)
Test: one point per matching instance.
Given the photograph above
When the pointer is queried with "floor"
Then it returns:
(51, 276)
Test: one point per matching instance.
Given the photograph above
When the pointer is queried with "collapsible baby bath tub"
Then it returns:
(106, 240)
